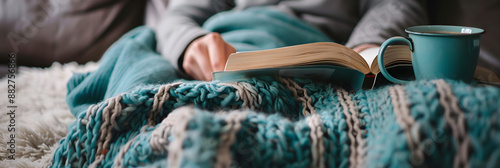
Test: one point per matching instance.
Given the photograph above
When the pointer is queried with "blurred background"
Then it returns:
(41, 32)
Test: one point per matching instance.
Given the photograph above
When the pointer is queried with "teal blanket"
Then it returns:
(134, 111)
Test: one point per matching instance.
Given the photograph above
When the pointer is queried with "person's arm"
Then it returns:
(383, 19)
(178, 29)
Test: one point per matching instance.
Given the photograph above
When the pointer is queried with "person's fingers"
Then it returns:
(193, 70)
(190, 65)
(229, 50)
(202, 61)
(204, 71)
(198, 70)
(206, 55)
(196, 62)
(216, 50)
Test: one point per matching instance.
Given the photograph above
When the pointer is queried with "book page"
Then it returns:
(320, 53)
(369, 55)
(394, 54)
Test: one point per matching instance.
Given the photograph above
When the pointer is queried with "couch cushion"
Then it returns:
(44, 31)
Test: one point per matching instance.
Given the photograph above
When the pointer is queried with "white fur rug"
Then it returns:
(41, 117)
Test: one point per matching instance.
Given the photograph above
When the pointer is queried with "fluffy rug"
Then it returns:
(41, 117)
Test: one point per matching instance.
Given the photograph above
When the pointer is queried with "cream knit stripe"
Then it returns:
(316, 135)
(454, 116)
(295, 94)
(119, 157)
(244, 93)
(110, 112)
(417, 155)
(183, 115)
(91, 110)
(159, 136)
(407, 122)
(350, 132)
(233, 125)
(404, 107)
(303, 97)
(247, 93)
(357, 130)
(115, 112)
(88, 119)
(412, 124)
(102, 133)
(399, 117)
(257, 99)
(404, 119)
(97, 161)
(176, 122)
(159, 99)
(288, 85)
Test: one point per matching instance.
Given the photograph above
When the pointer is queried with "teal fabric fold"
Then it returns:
(260, 28)
(130, 62)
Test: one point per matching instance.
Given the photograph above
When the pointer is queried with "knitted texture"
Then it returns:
(133, 111)
(261, 123)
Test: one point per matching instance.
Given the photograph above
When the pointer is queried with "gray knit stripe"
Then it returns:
(109, 113)
(454, 117)
(350, 132)
(159, 136)
(159, 99)
(233, 125)
(245, 94)
(119, 157)
(182, 115)
(174, 124)
(97, 161)
(115, 112)
(256, 98)
(360, 150)
(316, 135)
(91, 110)
(301, 95)
(407, 122)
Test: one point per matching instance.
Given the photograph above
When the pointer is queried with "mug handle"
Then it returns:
(380, 58)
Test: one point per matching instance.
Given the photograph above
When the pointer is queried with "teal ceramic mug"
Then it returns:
(438, 52)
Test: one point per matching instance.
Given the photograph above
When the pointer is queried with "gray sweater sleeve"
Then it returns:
(383, 19)
(180, 25)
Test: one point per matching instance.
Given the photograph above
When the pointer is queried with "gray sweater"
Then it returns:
(349, 22)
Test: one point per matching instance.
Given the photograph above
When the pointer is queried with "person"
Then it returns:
(358, 24)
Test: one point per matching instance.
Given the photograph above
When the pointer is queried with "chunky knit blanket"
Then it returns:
(153, 119)
(288, 123)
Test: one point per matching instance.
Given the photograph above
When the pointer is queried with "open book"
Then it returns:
(322, 60)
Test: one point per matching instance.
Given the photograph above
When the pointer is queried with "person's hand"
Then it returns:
(362, 47)
(205, 55)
